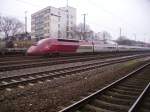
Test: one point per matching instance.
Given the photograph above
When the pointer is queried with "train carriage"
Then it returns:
(53, 45)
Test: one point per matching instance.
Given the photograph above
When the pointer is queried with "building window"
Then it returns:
(46, 31)
(48, 10)
(47, 24)
(47, 17)
(45, 11)
(59, 19)
(67, 28)
(58, 25)
(59, 34)
(67, 22)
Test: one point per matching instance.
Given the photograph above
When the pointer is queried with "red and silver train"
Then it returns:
(52, 46)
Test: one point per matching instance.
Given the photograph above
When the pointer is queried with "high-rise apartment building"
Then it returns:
(53, 22)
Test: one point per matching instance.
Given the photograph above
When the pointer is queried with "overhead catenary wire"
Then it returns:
(28, 3)
(99, 6)
(131, 27)
(110, 13)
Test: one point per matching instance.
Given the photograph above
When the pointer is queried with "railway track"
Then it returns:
(143, 103)
(13, 65)
(36, 59)
(16, 80)
(130, 93)
(24, 58)
(18, 58)
(45, 62)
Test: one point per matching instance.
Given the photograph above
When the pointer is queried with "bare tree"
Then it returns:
(80, 28)
(106, 35)
(10, 26)
(79, 32)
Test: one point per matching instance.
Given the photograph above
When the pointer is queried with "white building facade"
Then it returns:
(53, 22)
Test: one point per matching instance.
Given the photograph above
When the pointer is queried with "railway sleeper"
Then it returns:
(139, 85)
(92, 108)
(138, 81)
(128, 88)
(148, 99)
(122, 88)
(108, 105)
(146, 105)
(143, 110)
(132, 86)
(125, 91)
(119, 95)
(115, 100)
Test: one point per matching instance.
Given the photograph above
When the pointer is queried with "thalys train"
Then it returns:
(54, 46)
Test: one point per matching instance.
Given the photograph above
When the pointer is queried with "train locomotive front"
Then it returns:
(39, 48)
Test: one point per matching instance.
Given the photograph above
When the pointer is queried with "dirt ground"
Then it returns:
(51, 96)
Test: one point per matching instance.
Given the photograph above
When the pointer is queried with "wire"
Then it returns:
(6, 13)
(25, 2)
(112, 14)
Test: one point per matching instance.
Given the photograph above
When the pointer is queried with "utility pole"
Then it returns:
(67, 25)
(67, 3)
(120, 31)
(25, 21)
(104, 37)
(84, 15)
(144, 39)
(134, 36)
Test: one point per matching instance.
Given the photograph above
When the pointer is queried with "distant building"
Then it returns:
(21, 36)
(2, 36)
(103, 36)
(53, 22)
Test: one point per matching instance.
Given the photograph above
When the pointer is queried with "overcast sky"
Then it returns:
(133, 16)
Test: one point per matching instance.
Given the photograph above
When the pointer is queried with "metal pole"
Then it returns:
(135, 37)
(120, 32)
(67, 3)
(67, 30)
(104, 37)
(84, 25)
(25, 21)
(93, 42)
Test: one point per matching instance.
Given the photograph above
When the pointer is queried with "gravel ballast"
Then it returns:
(50, 96)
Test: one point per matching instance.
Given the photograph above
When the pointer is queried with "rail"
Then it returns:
(139, 99)
(87, 99)
(12, 81)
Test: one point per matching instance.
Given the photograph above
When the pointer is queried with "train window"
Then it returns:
(110, 47)
(68, 40)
